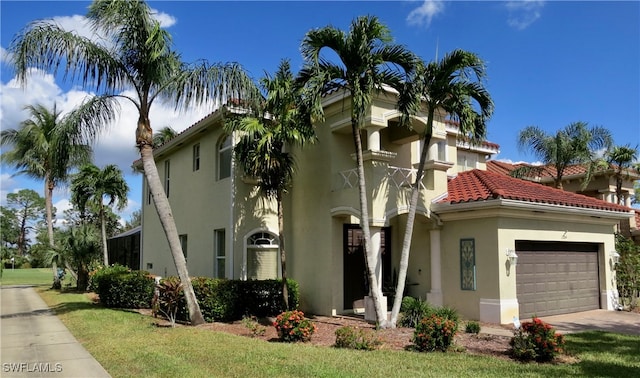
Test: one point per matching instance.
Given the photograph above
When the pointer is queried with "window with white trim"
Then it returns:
(262, 256)
(219, 253)
(467, 161)
(196, 157)
(225, 154)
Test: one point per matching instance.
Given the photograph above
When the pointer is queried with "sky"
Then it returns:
(549, 63)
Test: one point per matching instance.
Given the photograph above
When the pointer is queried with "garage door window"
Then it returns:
(467, 264)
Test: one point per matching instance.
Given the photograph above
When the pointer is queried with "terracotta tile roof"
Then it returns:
(547, 171)
(478, 185)
(637, 213)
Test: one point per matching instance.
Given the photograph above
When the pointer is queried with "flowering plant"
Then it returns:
(434, 333)
(536, 340)
(292, 326)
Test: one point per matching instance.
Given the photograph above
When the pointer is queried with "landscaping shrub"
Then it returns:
(124, 288)
(536, 340)
(472, 327)
(628, 272)
(96, 275)
(252, 325)
(357, 338)
(292, 326)
(413, 309)
(167, 302)
(228, 300)
(434, 333)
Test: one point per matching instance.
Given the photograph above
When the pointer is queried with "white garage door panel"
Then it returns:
(556, 282)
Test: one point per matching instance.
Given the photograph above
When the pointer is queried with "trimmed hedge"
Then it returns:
(121, 287)
(228, 300)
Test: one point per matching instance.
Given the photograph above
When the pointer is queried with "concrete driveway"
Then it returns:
(603, 320)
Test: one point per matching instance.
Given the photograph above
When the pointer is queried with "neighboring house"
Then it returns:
(124, 248)
(602, 186)
(468, 220)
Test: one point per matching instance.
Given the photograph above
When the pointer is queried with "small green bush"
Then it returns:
(125, 288)
(96, 275)
(252, 325)
(413, 310)
(434, 333)
(357, 338)
(472, 327)
(292, 326)
(536, 340)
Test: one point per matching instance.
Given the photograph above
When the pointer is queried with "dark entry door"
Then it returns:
(355, 281)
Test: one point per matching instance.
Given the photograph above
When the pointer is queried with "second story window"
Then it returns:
(196, 157)
(225, 152)
(466, 161)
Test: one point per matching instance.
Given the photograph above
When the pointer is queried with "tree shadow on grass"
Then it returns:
(625, 348)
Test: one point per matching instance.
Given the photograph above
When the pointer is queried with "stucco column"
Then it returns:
(434, 296)
(376, 238)
(373, 137)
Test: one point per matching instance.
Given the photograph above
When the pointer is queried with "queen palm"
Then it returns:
(263, 150)
(163, 135)
(453, 85)
(622, 158)
(92, 184)
(366, 61)
(136, 54)
(577, 143)
(45, 147)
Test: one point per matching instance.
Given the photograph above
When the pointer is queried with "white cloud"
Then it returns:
(523, 13)
(165, 20)
(423, 15)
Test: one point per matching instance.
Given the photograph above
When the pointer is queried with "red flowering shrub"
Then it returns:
(434, 333)
(292, 326)
(536, 340)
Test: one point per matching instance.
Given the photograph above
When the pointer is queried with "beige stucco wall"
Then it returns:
(495, 298)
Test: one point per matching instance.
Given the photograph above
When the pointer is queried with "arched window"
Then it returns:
(262, 256)
(225, 152)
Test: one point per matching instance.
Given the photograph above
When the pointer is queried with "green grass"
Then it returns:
(37, 277)
(127, 344)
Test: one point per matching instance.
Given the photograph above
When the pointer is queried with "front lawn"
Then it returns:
(128, 344)
(36, 277)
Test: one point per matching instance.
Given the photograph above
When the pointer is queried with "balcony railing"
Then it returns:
(396, 177)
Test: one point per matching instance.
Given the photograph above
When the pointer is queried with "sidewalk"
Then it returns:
(35, 343)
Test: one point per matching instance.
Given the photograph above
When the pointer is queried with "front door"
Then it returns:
(355, 281)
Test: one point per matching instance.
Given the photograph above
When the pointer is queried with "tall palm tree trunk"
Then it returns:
(103, 228)
(283, 255)
(163, 208)
(48, 204)
(369, 254)
(408, 232)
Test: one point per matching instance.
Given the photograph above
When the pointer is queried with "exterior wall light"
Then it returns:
(615, 257)
(513, 258)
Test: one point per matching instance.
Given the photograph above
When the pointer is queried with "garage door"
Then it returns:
(556, 278)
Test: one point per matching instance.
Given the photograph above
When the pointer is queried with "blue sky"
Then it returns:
(549, 63)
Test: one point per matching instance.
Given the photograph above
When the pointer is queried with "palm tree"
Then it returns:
(82, 244)
(453, 85)
(163, 135)
(137, 55)
(263, 149)
(93, 184)
(622, 158)
(46, 147)
(367, 61)
(575, 144)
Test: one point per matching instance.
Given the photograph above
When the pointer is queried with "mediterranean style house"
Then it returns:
(491, 246)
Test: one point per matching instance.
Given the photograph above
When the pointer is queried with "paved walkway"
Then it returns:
(600, 320)
(35, 343)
